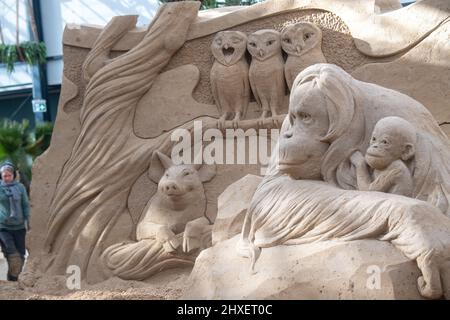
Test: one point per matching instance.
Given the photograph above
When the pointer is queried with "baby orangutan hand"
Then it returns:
(357, 158)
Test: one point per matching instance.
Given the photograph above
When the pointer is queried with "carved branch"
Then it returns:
(257, 124)
(113, 32)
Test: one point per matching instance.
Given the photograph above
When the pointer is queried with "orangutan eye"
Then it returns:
(291, 118)
(305, 117)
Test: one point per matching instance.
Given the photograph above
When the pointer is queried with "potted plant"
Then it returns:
(30, 52)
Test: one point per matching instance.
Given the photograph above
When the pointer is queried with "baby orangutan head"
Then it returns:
(393, 138)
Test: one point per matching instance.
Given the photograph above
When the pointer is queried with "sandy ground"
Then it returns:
(168, 285)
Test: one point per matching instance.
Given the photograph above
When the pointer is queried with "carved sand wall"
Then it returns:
(126, 89)
(338, 46)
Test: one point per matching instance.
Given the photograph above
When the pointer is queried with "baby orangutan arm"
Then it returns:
(386, 179)
(363, 178)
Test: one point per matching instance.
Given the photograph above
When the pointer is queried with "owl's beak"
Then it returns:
(226, 46)
(261, 53)
(298, 49)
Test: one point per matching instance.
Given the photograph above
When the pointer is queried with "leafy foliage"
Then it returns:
(21, 145)
(8, 56)
(211, 4)
(40, 139)
(33, 53)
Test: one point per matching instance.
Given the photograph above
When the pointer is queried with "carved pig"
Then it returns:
(177, 212)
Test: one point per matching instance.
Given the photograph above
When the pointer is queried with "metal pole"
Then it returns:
(39, 72)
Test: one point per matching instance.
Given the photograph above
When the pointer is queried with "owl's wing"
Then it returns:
(255, 94)
(246, 95)
(280, 82)
(215, 93)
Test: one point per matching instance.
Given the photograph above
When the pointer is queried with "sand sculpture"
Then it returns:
(229, 75)
(324, 109)
(104, 193)
(303, 44)
(392, 144)
(267, 71)
(174, 223)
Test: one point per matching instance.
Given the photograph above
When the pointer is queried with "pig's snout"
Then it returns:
(171, 186)
(171, 189)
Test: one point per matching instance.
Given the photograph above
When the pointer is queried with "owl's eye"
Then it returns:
(287, 40)
(236, 40)
(270, 42)
(219, 42)
(252, 44)
(307, 36)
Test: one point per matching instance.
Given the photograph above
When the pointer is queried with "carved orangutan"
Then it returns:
(332, 114)
(392, 148)
(309, 194)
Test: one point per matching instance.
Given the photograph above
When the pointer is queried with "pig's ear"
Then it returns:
(159, 164)
(206, 172)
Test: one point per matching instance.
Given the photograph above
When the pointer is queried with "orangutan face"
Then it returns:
(301, 145)
(393, 138)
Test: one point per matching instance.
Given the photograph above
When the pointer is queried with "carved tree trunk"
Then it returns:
(107, 157)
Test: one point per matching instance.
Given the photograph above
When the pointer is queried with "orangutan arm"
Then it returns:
(382, 183)
(387, 178)
(363, 178)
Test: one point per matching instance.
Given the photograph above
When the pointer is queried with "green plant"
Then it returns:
(8, 56)
(30, 52)
(34, 52)
(39, 140)
(14, 136)
(21, 145)
(210, 4)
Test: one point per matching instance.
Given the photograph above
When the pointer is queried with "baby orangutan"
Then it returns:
(393, 142)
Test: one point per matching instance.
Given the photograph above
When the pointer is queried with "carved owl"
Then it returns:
(303, 44)
(229, 76)
(267, 70)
